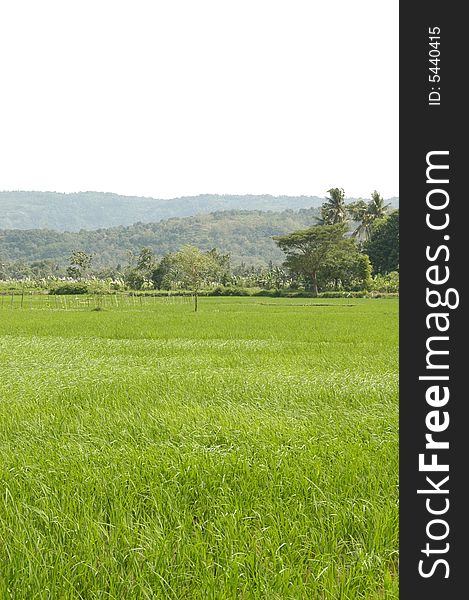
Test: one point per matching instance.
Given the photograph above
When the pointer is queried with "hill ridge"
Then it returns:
(246, 235)
(99, 210)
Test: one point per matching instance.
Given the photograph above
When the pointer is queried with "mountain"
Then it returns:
(246, 235)
(97, 210)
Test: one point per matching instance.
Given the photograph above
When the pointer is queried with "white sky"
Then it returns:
(166, 98)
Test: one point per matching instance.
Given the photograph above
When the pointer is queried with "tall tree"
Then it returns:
(139, 273)
(308, 250)
(334, 210)
(161, 275)
(358, 212)
(224, 265)
(193, 268)
(376, 207)
(146, 260)
(383, 245)
(365, 214)
(79, 264)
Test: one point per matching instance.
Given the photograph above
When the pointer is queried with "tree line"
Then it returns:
(246, 235)
(323, 253)
(342, 249)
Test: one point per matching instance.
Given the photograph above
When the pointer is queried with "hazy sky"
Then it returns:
(166, 98)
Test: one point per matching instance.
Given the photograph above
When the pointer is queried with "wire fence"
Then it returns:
(35, 300)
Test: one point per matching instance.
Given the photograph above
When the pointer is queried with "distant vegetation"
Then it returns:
(246, 235)
(97, 210)
(160, 443)
(341, 248)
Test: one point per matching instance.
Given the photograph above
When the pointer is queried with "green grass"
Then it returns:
(249, 451)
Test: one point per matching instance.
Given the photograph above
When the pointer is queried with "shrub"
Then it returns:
(69, 289)
(386, 283)
(229, 291)
(98, 286)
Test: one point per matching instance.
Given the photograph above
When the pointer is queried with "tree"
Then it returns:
(3, 269)
(365, 214)
(146, 261)
(192, 268)
(79, 264)
(44, 268)
(358, 212)
(139, 273)
(161, 275)
(224, 263)
(134, 279)
(308, 250)
(334, 210)
(274, 277)
(383, 244)
(346, 268)
(376, 207)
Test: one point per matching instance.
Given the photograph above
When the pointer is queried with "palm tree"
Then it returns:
(334, 211)
(366, 214)
(376, 207)
(358, 212)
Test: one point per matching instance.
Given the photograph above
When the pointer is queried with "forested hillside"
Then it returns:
(95, 210)
(246, 235)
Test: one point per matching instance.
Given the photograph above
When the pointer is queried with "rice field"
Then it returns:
(247, 451)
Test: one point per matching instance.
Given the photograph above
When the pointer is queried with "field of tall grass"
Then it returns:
(247, 451)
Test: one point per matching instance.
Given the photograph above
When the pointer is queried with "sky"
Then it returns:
(166, 98)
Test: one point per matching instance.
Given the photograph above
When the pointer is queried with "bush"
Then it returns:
(384, 295)
(229, 291)
(165, 293)
(69, 289)
(98, 286)
(388, 283)
(134, 279)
